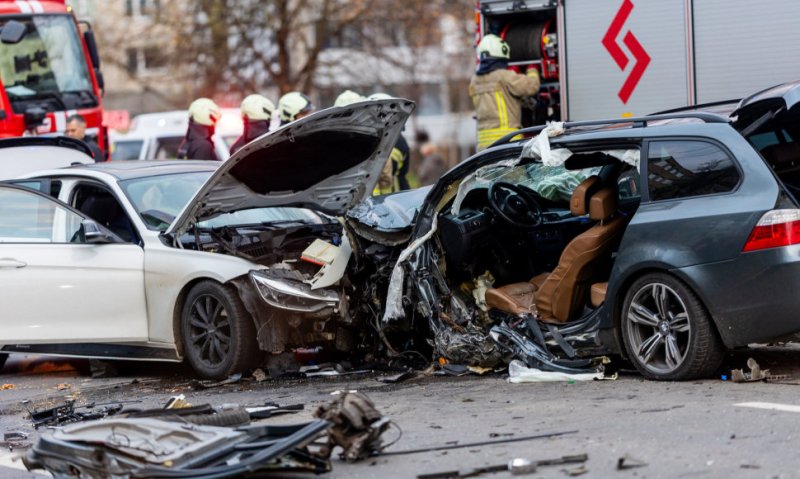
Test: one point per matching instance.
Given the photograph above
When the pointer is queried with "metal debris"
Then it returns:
(357, 426)
(159, 449)
(628, 462)
(517, 467)
(397, 378)
(198, 385)
(456, 445)
(66, 413)
(755, 374)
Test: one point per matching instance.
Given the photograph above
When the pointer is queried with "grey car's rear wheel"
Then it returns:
(218, 335)
(667, 332)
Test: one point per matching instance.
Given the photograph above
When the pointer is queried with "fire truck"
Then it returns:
(620, 58)
(49, 70)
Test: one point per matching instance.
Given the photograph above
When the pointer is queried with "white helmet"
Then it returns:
(204, 111)
(257, 107)
(348, 97)
(493, 46)
(380, 96)
(292, 104)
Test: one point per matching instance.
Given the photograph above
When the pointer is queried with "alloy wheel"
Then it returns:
(659, 329)
(210, 330)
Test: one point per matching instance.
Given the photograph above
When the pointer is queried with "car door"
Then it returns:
(55, 287)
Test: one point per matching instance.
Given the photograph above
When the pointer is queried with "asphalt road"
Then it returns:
(690, 429)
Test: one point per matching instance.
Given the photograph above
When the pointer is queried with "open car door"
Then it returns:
(64, 279)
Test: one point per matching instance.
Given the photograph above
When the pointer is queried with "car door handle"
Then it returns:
(12, 263)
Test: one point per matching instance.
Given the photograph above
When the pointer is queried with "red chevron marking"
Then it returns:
(610, 38)
(642, 61)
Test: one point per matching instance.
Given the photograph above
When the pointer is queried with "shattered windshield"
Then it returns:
(554, 183)
(47, 64)
(159, 199)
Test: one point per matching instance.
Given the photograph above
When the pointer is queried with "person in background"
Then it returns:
(497, 92)
(197, 144)
(293, 106)
(433, 165)
(256, 114)
(348, 97)
(396, 178)
(76, 128)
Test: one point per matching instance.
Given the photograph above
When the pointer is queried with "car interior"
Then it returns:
(546, 235)
(100, 204)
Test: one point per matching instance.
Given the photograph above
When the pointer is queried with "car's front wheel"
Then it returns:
(218, 334)
(667, 332)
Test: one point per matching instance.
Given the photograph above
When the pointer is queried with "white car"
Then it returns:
(34, 153)
(152, 260)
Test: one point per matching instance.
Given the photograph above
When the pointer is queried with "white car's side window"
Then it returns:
(30, 218)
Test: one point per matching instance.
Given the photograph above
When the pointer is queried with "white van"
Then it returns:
(158, 135)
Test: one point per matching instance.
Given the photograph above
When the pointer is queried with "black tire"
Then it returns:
(204, 335)
(671, 338)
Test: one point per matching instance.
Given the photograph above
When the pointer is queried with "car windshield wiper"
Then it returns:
(47, 95)
(86, 96)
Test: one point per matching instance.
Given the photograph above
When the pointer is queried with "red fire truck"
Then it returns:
(620, 58)
(49, 70)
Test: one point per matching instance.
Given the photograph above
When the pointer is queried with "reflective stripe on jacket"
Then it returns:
(497, 97)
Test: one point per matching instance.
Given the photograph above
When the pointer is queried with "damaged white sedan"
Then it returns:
(212, 263)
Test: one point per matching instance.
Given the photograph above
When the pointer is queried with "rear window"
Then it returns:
(685, 168)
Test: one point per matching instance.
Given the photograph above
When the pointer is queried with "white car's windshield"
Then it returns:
(159, 199)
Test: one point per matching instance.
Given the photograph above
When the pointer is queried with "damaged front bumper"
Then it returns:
(293, 295)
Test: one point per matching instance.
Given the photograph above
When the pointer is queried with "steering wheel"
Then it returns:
(515, 205)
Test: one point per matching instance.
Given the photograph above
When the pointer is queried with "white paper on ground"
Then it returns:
(519, 373)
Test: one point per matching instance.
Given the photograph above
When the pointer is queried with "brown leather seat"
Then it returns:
(559, 296)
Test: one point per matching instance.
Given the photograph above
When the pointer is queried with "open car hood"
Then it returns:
(755, 110)
(328, 161)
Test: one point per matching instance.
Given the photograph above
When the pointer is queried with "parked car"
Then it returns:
(665, 239)
(33, 153)
(157, 136)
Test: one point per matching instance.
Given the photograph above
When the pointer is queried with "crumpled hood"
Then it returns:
(328, 161)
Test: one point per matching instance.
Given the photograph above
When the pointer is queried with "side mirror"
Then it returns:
(94, 234)
(101, 82)
(13, 32)
(91, 45)
(34, 116)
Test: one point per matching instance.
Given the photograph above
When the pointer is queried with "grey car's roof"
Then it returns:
(126, 170)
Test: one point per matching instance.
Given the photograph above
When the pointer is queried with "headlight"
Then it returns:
(293, 295)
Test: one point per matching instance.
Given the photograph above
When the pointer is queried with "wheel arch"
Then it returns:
(627, 281)
(178, 310)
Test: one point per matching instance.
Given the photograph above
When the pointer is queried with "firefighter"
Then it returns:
(348, 97)
(497, 92)
(256, 114)
(293, 106)
(197, 144)
(394, 176)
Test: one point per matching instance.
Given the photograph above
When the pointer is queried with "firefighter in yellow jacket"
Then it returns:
(497, 92)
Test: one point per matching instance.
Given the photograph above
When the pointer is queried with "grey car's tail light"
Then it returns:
(775, 229)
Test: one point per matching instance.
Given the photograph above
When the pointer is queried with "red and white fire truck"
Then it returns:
(618, 58)
(49, 70)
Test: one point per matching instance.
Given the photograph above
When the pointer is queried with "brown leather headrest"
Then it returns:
(603, 204)
(580, 197)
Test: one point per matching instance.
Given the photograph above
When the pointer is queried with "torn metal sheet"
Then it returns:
(394, 296)
(157, 449)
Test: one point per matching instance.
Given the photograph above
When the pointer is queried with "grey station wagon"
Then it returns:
(665, 239)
